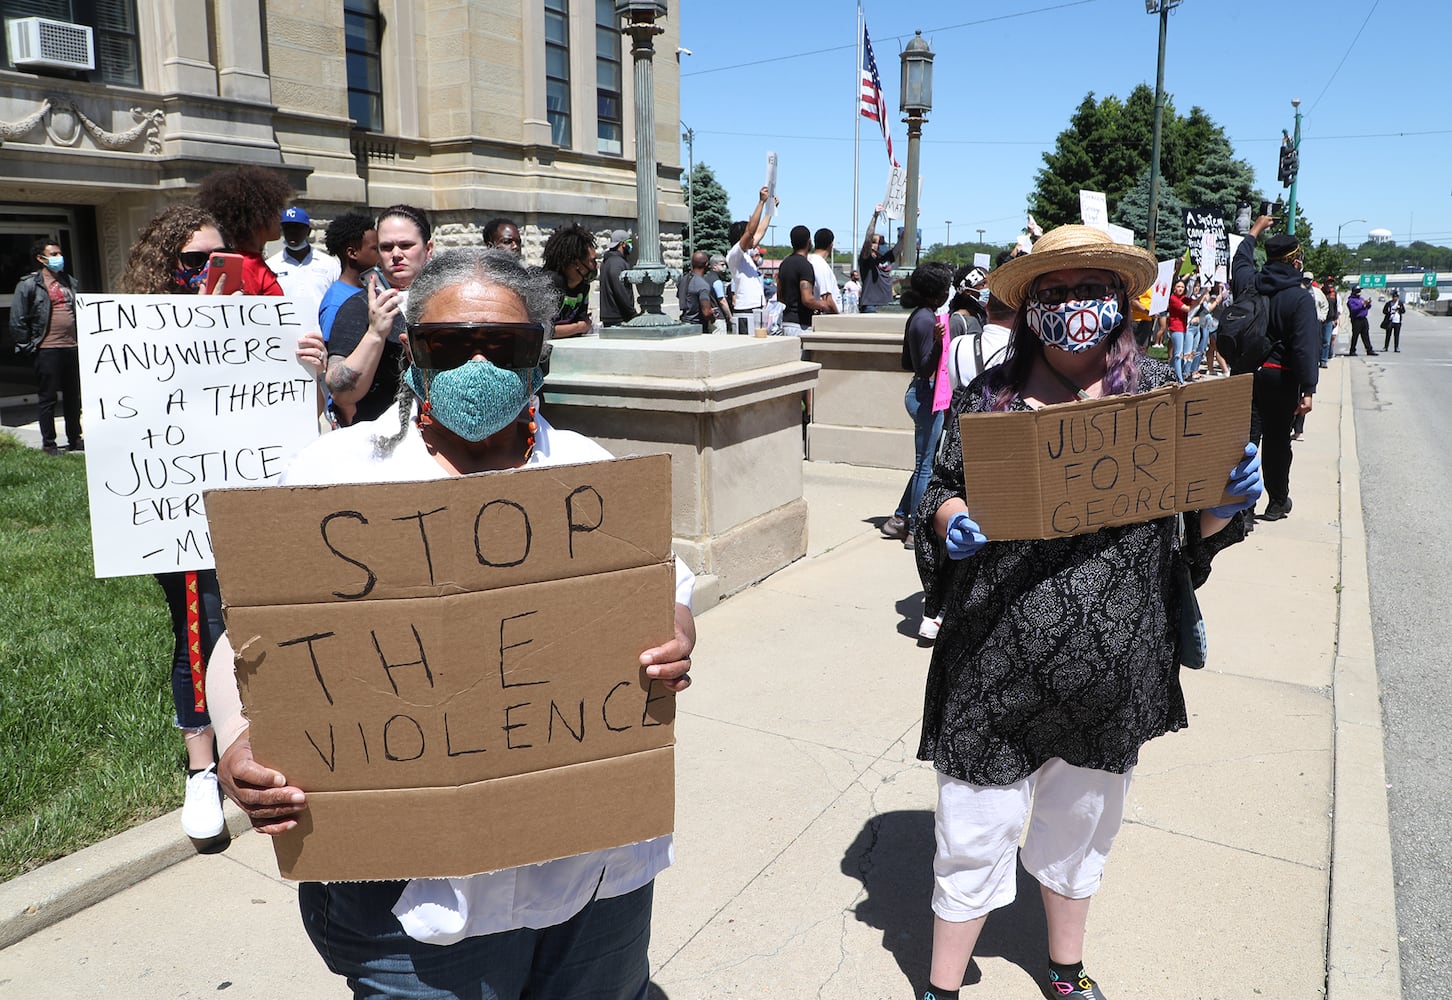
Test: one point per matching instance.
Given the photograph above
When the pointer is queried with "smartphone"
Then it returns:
(1267, 208)
(375, 273)
(228, 265)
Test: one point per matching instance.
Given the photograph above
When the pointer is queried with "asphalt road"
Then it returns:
(1403, 405)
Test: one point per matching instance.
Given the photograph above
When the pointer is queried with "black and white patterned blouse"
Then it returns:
(1065, 647)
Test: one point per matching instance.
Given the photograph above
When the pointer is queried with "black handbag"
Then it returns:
(1194, 643)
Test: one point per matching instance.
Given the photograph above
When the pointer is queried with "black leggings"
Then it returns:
(1393, 335)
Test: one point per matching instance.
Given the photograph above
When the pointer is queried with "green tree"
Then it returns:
(1210, 176)
(712, 214)
(1133, 213)
(1325, 259)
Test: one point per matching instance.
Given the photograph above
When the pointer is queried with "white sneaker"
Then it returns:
(928, 629)
(202, 811)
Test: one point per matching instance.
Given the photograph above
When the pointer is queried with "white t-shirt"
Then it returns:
(963, 365)
(306, 283)
(445, 910)
(746, 288)
(825, 282)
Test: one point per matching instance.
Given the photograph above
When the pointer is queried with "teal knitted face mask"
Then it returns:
(476, 399)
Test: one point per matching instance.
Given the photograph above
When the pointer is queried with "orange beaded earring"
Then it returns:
(533, 427)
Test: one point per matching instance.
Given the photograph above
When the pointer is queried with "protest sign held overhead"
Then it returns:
(183, 394)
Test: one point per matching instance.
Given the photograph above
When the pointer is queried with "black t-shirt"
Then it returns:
(349, 327)
(794, 270)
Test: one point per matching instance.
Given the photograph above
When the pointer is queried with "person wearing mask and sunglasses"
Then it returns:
(1058, 659)
(477, 327)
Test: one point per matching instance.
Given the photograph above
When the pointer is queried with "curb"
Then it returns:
(51, 893)
(1362, 956)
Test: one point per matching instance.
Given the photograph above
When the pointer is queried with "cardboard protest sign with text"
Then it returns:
(452, 673)
(183, 394)
(1077, 467)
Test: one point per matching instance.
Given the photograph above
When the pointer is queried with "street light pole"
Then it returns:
(1339, 228)
(948, 240)
(915, 102)
(1295, 145)
(980, 235)
(1161, 7)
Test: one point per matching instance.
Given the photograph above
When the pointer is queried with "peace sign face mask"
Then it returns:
(1076, 325)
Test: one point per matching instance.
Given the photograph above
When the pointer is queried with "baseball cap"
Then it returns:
(1308, 276)
(618, 236)
(298, 215)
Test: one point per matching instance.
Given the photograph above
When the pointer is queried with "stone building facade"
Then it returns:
(468, 108)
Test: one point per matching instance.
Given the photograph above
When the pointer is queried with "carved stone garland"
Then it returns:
(147, 128)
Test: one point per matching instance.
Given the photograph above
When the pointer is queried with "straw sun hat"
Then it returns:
(1073, 247)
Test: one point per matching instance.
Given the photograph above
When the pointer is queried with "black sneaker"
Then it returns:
(1277, 510)
(50, 449)
(894, 527)
(76, 446)
(1083, 988)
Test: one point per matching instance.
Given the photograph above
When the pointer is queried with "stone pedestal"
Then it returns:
(728, 410)
(857, 413)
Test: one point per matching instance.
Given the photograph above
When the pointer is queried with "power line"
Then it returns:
(848, 138)
(1363, 135)
(1344, 56)
(853, 44)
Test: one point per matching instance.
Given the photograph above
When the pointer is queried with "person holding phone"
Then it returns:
(247, 203)
(365, 352)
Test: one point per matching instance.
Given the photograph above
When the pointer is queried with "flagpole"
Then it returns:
(856, 136)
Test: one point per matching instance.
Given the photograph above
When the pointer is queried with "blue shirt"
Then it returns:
(338, 293)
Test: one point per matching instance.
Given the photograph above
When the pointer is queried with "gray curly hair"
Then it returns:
(456, 266)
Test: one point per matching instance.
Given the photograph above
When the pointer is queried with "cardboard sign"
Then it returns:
(451, 669)
(183, 394)
(1078, 467)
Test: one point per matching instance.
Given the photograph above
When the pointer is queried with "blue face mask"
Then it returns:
(477, 399)
(1074, 326)
(56, 263)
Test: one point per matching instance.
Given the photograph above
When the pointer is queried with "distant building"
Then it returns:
(1380, 236)
(522, 108)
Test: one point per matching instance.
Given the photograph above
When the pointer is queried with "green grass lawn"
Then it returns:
(87, 742)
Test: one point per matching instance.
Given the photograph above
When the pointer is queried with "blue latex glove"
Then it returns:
(964, 536)
(1245, 482)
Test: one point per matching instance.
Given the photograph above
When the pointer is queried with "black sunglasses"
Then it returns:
(197, 258)
(1057, 295)
(442, 346)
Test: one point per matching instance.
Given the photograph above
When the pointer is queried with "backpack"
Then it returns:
(1243, 337)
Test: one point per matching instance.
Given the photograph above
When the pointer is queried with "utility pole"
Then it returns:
(1295, 169)
(948, 240)
(689, 135)
(1161, 7)
(980, 235)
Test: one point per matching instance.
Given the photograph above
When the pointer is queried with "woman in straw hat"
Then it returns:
(1057, 659)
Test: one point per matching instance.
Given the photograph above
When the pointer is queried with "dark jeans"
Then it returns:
(209, 608)
(1273, 410)
(1360, 329)
(598, 954)
(59, 371)
(1393, 336)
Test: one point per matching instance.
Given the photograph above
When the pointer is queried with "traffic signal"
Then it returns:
(1289, 164)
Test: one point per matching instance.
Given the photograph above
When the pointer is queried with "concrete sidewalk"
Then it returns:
(1254, 862)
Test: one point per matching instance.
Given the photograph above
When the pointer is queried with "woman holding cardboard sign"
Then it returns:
(477, 329)
(1057, 658)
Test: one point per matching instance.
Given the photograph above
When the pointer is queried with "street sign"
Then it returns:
(1373, 281)
(1429, 279)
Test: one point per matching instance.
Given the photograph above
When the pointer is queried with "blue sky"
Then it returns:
(1372, 76)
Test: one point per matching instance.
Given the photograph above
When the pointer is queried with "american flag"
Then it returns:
(873, 104)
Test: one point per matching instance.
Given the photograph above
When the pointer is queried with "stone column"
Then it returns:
(728, 410)
(240, 72)
(858, 416)
(186, 64)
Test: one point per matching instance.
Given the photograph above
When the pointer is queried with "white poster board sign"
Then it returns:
(182, 394)
(1207, 255)
(1121, 234)
(894, 203)
(770, 210)
(1094, 209)
(1164, 281)
(981, 260)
